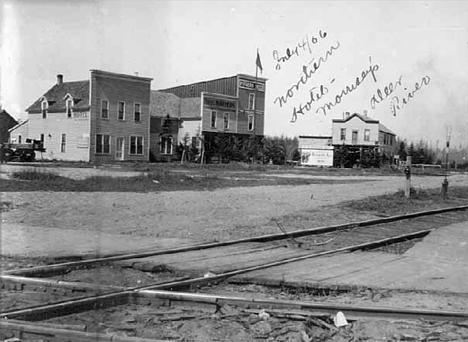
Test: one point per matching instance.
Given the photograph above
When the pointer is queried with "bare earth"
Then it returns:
(151, 219)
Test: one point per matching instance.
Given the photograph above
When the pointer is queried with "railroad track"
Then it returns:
(100, 297)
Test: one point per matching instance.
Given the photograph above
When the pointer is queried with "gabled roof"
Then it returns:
(163, 104)
(362, 117)
(18, 125)
(55, 96)
(385, 129)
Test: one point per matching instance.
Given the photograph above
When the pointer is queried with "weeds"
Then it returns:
(36, 174)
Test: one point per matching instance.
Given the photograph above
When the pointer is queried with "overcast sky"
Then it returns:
(180, 42)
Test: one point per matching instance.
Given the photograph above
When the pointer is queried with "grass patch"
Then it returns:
(420, 199)
(35, 174)
(37, 179)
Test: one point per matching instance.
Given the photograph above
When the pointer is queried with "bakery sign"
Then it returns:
(246, 84)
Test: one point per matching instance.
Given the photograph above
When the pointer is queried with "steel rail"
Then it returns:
(349, 310)
(21, 328)
(149, 295)
(219, 277)
(41, 270)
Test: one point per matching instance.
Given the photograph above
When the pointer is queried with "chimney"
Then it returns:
(347, 115)
(59, 79)
(365, 113)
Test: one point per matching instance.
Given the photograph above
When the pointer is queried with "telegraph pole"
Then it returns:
(445, 183)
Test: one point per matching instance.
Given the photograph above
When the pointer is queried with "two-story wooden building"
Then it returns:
(359, 140)
(232, 105)
(102, 119)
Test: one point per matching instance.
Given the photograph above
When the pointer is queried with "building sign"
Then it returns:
(224, 104)
(317, 157)
(251, 85)
(80, 115)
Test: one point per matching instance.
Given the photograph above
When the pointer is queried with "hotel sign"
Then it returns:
(246, 84)
(80, 115)
(224, 104)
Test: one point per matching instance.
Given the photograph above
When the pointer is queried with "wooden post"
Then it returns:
(408, 177)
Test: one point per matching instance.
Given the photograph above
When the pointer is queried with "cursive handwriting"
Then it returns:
(314, 97)
(395, 104)
(305, 45)
(387, 91)
(307, 73)
(373, 68)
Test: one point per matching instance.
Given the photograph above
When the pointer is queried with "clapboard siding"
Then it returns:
(114, 89)
(56, 124)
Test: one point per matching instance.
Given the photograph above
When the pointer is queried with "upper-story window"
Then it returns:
(213, 119)
(44, 108)
(343, 134)
(69, 105)
(367, 135)
(121, 114)
(137, 112)
(105, 109)
(252, 101)
(251, 122)
(226, 120)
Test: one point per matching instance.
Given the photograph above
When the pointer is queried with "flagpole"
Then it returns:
(255, 108)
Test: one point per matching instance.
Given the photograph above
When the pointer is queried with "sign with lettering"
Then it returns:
(317, 157)
(80, 115)
(220, 103)
(246, 84)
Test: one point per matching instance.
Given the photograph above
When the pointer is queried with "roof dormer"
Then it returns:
(44, 107)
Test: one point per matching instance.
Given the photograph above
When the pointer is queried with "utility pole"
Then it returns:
(445, 183)
(408, 177)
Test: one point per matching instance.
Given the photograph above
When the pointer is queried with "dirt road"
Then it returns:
(188, 215)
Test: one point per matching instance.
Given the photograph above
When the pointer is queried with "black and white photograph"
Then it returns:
(233, 170)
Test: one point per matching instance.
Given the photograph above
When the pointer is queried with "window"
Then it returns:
(64, 143)
(194, 142)
(136, 145)
(252, 101)
(367, 135)
(226, 120)
(102, 144)
(104, 109)
(42, 138)
(355, 137)
(121, 115)
(343, 134)
(44, 107)
(165, 145)
(137, 112)
(213, 119)
(69, 105)
(251, 122)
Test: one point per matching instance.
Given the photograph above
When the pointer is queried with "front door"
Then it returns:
(355, 137)
(119, 148)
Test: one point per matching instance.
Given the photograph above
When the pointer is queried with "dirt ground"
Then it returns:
(223, 214)
(197, 216)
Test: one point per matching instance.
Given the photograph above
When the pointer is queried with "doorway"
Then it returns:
(119, 148)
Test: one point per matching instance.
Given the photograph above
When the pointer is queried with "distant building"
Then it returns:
(202, 111)
(316, 150)
(360, 140)
(6, 123)
(102, 119)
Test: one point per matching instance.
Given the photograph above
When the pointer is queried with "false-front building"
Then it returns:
(102, 119)
(198, 113)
